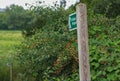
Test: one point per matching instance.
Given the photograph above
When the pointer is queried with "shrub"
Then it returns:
(51, 53)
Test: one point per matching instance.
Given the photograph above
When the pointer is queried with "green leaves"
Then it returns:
(15, 18)
(50, 53)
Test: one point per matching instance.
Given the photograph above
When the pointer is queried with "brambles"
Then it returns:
(50, 54)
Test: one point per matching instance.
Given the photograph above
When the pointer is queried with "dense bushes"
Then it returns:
(104, 48)
(45, 55)
(50, 54)
(110, 8)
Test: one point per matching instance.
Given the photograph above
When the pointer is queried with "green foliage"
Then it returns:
(55, 15)
(104, 48)
(15, 18)
(49, 51)
(8, 41)
(3, 24)
(110, 8)
(46, 54)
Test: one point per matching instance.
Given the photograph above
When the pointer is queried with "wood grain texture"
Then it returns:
(83, 51)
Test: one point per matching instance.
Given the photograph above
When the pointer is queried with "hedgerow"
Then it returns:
(51, 53)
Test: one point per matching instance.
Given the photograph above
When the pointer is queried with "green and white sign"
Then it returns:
(72, 21)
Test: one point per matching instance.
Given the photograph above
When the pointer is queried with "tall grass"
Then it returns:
(8, 41)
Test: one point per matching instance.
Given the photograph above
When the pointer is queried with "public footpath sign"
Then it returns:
(72, 22)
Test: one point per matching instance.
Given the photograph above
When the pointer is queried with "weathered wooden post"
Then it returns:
(83, 51)
(11, 72)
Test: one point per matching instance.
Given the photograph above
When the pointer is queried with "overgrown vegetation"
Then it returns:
(104, 48)
(52, 50)
(9, 40)
(49, 50)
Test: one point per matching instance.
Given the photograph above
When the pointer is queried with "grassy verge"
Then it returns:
(8, 42)
(9, 39)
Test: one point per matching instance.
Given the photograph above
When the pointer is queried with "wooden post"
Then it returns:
(83, 52)
(11, 70)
